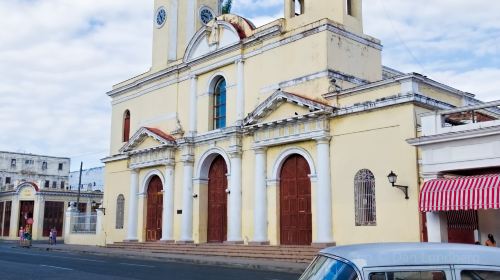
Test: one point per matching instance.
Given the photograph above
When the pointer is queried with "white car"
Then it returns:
(405, 261)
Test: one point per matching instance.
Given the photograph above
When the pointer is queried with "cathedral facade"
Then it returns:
(282, 134)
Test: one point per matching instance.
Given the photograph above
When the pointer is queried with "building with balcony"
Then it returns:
(460, 163)
(34, 192)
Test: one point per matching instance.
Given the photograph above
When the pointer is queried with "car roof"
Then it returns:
(402, 254)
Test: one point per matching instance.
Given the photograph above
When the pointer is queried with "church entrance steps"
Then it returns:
(298, 254)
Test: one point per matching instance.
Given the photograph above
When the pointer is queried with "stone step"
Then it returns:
(302, 254)
(277, 250)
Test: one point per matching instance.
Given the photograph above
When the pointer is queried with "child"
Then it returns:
(51, 237)
(54, 235)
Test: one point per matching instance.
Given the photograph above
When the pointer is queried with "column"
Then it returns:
(234, 200)
(324, 193)
(260, 202)
(132, 208)
(240, 96)
(187, 203)
(70, 212)
(435, 227)
(190, 21)
(168, 205)
(193, 108)
(14, 217)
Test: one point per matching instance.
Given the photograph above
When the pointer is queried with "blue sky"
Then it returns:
(58, 58)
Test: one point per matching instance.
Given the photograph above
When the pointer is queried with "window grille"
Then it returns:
(83, 223)
(120, 211)
(364, 195)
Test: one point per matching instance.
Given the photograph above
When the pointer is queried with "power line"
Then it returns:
(391, 20)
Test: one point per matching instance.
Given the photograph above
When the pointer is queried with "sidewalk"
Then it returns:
(256, 264)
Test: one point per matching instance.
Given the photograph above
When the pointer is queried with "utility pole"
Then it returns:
(79, 186)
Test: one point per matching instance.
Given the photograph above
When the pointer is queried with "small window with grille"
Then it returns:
(364, 195)
(120, 211)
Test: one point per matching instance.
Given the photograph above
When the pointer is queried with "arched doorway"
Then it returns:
(217, 201)
(155, 208)
(295, 202)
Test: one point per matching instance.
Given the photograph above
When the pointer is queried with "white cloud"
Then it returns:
(59, 57)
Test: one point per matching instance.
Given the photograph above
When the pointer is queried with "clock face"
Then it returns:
(161, 16)
(206, 15)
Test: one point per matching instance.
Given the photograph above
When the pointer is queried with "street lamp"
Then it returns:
(392, 177)
(97, 206)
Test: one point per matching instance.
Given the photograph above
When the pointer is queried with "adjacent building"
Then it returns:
(281, 134)
(460, 148)
(34, 191)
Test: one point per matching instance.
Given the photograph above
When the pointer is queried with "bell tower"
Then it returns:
(174, 24)
(345, 12)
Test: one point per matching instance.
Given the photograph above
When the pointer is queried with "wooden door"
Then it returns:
(155, 209)
(1, 217)
(217, 201)
(53, 217)
(465, 236)
(25, 213)
(295, 202)
(6, 219)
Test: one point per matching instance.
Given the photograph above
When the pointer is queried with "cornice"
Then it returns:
(391, 81)
(270, 32)
(454, 136)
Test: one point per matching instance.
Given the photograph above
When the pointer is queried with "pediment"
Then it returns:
(222, 32)
(148, 138)
(282, 106)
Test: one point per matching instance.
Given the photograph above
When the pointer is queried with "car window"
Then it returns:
(324, 268)
(480, 275)
(408, 275)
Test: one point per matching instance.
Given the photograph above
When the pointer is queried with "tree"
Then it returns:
(226, 6)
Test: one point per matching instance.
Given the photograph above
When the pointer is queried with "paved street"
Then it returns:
(24, 263)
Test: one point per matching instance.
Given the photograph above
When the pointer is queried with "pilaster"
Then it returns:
(235, 196)
(187, 195)
(132, 208)
(260, 199)
(324, 235)
(168, 205)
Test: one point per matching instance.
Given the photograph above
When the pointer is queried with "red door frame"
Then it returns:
(154, 209)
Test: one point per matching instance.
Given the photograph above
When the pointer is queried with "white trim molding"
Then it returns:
(206, 160)
(147, 179)
(278, 163)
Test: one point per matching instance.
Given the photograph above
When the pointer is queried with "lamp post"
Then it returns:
(392, 177)
(97, 206)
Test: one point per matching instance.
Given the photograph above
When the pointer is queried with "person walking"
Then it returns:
(51, 237)
(53, 233)
(491, 241)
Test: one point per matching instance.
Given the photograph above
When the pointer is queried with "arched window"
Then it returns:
(120, 211)
(126, 126)
(219, 104)
(364, 196)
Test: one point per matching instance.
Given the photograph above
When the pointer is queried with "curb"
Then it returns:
(295, 268)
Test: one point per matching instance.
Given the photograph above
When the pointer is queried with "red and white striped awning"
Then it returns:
(461, 193)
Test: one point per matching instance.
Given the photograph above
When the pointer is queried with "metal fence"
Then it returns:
(83, 223)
